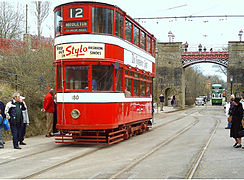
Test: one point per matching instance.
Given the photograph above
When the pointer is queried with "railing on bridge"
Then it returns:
(190, 58)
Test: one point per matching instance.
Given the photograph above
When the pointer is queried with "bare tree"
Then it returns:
(220, 69)
(11, 21)
(41, 13)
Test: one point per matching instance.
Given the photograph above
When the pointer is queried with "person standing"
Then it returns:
(55, 115)
(26, 122)
(1, 130)
(236, 125)
(2, 107)
(13, 112)
(161, 97)
(48, 108)
(228, 111)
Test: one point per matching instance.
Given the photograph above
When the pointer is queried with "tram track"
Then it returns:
(79, 155)
(59, 164)
(193, 169)
(156, 148)
(195, 165)
(30, 176)
(28, 155)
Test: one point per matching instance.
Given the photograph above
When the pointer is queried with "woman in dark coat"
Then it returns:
(236, 126)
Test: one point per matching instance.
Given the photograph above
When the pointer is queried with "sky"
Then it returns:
(210, 32)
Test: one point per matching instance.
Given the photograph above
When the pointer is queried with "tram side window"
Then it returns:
(59, 78)
(128, 31)
(77, 77)
(102, 20)
(142, 88)
(127, 87)
(136, 35)
(58, 22)
(136, 87)
(118, 79)
(142, 40)
(119, 25)
(102, 78)
(148, 89)
(153, 48)
(148, 44)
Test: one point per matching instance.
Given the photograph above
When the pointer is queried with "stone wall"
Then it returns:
(170, 78)
(236, 68)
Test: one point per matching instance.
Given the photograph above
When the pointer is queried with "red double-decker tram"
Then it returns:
(105, 64)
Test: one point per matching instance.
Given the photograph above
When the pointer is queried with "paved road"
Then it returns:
(184, 144)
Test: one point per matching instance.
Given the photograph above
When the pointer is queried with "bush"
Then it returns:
(35, 75)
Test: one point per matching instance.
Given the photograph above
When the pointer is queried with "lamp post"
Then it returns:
(240, 34)
(231, 80)
(173, 37)
(170, 35)
(186, 46)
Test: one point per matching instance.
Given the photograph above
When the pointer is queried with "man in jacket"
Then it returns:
(2, 107)
(13, 112)
(161, 98)
(48, 108)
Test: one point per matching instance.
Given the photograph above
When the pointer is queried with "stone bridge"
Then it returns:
(172, 61)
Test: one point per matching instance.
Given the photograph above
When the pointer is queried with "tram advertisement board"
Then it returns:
(80, 50)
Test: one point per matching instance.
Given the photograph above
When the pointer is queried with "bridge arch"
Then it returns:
(190, 58)
(172, 61)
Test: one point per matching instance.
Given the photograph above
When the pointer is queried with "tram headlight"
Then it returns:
(75, 113)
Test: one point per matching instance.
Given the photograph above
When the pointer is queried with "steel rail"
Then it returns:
(196, 163)
(61, 163)
(156, 148)
(32, 175)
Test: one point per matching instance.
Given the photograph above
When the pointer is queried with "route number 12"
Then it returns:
(76, 13)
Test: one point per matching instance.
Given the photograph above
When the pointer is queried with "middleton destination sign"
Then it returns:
(75, 24)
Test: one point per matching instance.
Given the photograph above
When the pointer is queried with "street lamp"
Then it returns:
(170, 35)
(173, 36)
(240, 34)
(186, 46)
(231, 80)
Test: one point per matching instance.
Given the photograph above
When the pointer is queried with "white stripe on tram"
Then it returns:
(106, 39)
(97, 98)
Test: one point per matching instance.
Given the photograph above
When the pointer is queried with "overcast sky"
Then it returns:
(210, 32)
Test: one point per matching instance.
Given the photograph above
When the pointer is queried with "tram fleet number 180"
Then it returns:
(105, 64)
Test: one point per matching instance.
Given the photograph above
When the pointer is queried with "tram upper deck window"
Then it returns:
(148, 44)
(58, 22)
(128, 27)
(102, 78)
(153, 48)
(142, 40)
(119, 25)
(102, 20)
(136, 35)
(77, 77)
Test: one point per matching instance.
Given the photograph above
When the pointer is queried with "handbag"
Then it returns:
(5, 124)
(1, 120)
(241, 133)
(229, 119)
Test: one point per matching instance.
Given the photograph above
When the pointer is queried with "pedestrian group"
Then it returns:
(15, 113)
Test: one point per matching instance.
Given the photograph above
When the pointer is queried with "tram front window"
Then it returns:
(77, 77)
(102, 20)
(102, 78)
(58, 22)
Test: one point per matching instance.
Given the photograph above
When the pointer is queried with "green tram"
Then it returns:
(217, 94)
